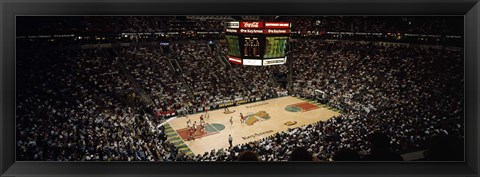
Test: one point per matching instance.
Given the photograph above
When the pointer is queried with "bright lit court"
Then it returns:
(261, 119)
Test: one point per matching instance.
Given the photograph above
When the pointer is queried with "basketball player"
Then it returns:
(206, 112)
(189, 122)
(202, 126)
(231, 120)
(194, 126)
(191, 135)
(226, 108)
(201, 118)
(241, 118)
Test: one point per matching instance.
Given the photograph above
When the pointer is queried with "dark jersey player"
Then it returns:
(241, 118)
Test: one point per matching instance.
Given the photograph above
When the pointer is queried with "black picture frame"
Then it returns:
(9, 9)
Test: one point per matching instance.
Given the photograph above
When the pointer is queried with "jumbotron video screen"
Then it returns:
(240, 88)
(275, 47)
(233, 45)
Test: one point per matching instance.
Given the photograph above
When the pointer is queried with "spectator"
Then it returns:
(301, 154)
(380, 149)
(248, 156)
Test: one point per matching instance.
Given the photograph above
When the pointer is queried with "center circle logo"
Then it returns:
(293, 109)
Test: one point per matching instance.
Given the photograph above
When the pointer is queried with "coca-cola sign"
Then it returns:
(251, 25)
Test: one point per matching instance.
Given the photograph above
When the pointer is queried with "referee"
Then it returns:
(230, 140)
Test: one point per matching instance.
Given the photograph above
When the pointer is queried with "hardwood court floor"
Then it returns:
(279, 110)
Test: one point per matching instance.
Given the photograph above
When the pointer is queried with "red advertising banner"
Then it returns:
(259, 31)
(165, 113)
(276, 31)
(234, 60)
(277, 25)
(252, 31)
(251, 24)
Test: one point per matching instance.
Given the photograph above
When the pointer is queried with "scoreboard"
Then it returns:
(257, 43)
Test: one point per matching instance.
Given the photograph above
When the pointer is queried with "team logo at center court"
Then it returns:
(259, 116)
(292, 108)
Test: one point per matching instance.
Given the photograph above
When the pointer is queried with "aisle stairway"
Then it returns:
(144, 97)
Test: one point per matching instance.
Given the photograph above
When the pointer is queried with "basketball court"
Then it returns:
(262, 119)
